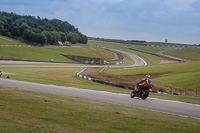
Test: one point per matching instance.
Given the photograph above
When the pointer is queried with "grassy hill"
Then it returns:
(16, 48)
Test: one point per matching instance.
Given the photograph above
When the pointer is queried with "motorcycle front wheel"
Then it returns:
(132, 94)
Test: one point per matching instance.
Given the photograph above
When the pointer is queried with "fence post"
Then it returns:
(171, 91)
(180, 91)
(185, 92)
(196, 92)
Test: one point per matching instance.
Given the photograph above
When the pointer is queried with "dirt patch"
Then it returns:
(8, 40)
(160, 52)
(87, 71)
(167, 61)
(76, 46)
(6, 73)
(115, 57)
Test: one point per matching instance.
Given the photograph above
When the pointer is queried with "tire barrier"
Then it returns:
(161, 92)
(84, 77)
(116, 63)
(110, 84)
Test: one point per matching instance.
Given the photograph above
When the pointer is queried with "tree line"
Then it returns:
(42, 31)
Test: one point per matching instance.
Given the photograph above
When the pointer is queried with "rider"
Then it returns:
(142, 83)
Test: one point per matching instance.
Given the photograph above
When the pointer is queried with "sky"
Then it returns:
(149, 20)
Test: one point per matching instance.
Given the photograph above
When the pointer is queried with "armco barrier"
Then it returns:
(108, 83)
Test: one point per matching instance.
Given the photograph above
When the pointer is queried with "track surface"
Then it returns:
(166, 106)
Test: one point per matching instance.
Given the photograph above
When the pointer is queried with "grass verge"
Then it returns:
(23, 111)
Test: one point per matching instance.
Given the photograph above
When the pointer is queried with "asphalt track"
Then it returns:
(160, 105)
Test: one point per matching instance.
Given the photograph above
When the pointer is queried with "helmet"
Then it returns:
(148, 76)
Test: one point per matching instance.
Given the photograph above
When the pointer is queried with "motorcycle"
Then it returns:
(143, 93)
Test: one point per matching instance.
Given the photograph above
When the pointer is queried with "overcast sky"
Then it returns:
(150, 20)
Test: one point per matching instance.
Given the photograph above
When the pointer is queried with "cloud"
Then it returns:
(108, 1)
(177, 20)
(180, 5)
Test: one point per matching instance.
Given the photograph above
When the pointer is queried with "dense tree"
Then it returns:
(73, 37)
(63, 38)
(26, 34)
(36, 29)
(49, 37)
(1, 26)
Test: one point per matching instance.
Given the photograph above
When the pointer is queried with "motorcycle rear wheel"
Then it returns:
(145, 94)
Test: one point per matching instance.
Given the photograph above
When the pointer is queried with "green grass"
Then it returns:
(32, 53)
(187, 99)
(17, 48)
(10, 41)
(147, 48)
(81, 50)
(185, 79)
(23, 111)
(162, 43)
(183, 74)
(188, 53)
(56, 76)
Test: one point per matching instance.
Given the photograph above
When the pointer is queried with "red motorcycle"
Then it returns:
(143, 93)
